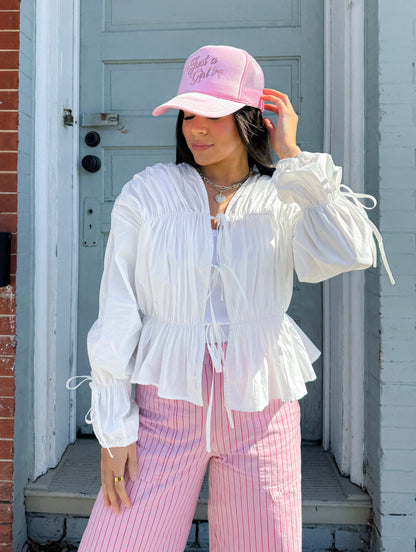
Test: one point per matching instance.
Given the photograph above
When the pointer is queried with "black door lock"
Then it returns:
(91, 163)
(92, 139)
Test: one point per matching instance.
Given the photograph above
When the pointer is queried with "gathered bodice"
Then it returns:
(159, 276)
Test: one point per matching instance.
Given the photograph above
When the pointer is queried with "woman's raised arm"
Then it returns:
(282, 135)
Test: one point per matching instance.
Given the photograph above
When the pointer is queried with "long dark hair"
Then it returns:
(253, 133)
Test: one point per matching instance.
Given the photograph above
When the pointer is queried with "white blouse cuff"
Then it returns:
(311, 179)
(114, 415)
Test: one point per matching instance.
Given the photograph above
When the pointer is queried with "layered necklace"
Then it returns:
(219, 198)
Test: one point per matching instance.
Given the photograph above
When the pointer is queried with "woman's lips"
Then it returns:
(200, 147)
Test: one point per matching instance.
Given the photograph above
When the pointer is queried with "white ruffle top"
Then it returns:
(158, 276)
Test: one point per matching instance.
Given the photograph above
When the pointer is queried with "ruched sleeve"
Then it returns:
(113, 338)
(332, 232)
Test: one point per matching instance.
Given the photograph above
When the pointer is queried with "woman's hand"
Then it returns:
(283, 134)
(116, 467)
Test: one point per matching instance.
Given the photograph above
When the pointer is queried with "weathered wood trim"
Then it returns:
(56, 227)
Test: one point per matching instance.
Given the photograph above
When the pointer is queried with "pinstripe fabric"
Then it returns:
(254, 483)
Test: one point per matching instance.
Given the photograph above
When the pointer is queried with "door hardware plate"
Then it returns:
(100, 119)
(90, 233)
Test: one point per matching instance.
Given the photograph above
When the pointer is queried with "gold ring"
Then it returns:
(117, 479)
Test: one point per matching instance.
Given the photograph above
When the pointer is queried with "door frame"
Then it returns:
(344, 296)
(55, 319)
(56, 229)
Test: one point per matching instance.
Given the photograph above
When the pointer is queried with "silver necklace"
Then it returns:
(219, 198)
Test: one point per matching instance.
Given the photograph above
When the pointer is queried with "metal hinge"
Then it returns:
(68, 117)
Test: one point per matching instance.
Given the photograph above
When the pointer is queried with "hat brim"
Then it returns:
(200, 104)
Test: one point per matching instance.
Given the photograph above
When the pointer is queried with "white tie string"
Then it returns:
(94, 394)
(215, 337)
(355, 197)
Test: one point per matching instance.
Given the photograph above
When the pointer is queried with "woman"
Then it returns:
(197, 279)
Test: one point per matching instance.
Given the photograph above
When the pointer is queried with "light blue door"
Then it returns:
(131, 59)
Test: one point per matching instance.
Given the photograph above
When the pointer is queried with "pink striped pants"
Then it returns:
(254, 478)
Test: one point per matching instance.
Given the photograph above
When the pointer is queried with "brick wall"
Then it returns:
(9, 65)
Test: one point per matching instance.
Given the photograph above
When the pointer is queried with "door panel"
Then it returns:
(132, 55)
(159, 14)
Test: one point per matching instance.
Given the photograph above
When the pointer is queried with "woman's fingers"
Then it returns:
(113, 498)
(278, 101)
(122, 493)
(277, 106)
(106, 499)
(109, 492)
(282, 134)
(132, 461)
(269, 94)
(112, 475)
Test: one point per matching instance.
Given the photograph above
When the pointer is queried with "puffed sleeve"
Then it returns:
(332, 232)
(113, 338)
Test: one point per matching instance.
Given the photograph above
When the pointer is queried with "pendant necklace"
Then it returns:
(219, 198)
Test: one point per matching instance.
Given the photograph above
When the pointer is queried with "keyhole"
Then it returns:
(90, 213)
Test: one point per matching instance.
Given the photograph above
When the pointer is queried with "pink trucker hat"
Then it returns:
(217, 81)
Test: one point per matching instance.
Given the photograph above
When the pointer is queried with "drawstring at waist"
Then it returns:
(214, 334)
(217, 367)
(215, 342)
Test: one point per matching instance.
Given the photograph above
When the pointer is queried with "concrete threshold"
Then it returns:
(71, 488)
